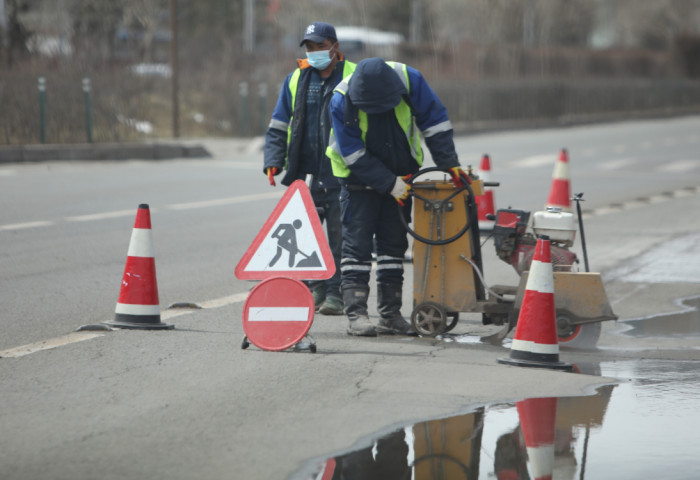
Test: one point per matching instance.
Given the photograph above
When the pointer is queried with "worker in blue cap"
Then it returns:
(296, 140)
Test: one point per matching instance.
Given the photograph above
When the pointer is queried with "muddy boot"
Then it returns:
(389, 308)
(355, 299)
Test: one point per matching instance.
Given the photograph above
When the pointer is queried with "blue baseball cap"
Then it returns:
(317, 32)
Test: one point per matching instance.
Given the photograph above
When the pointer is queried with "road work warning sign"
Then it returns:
(291, 243)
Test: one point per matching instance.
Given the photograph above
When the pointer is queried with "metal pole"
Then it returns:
(249, 26)
(42, 109)
(262, 93)
(174, 76)
(243, 90)
(578, 198)
(88, 110)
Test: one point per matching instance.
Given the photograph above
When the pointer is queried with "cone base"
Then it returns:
(142, 322)
(535, 364)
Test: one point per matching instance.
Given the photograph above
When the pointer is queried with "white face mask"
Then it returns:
(319, 59)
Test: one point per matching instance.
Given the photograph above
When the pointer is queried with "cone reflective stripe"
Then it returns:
(535, 343)
(538, 422)
(484, 203)
(560, 192)
(138, 305)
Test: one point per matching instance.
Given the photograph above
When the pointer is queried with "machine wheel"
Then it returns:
(580, 336)
(454, 318)
(245, 344)
(429, 318)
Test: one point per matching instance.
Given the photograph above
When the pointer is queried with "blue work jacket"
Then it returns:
(285, 134)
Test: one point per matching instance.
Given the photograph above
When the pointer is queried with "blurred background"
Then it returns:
(75, 71)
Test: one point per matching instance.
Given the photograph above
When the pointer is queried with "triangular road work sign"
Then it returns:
(291, 243)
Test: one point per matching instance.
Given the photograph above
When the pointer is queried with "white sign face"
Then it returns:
(291, 242)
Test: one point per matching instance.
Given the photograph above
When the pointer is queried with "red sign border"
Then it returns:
(303, 189)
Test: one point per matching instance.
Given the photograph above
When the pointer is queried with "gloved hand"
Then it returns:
(400, 190)
(459, 177)
(271, 172)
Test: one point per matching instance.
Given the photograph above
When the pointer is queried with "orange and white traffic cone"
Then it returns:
(560, 192)
(537, 422)
(485, 203)
(138, 305)
(535, 343)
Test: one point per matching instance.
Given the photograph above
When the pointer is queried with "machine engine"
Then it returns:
(516, 246)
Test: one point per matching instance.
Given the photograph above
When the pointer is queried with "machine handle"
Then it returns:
(469, 200)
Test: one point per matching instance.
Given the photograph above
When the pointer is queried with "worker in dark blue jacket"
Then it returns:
(297, 137)
(379, 114)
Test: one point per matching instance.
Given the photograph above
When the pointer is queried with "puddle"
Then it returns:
(644, 427)
(683, 324)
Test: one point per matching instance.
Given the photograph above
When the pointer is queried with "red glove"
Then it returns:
(459, 177)
(271, 172)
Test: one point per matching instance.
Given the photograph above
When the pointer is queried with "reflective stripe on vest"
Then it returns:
(403, 115)
(348, 68)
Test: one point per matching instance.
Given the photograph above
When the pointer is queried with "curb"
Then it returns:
(102, 151)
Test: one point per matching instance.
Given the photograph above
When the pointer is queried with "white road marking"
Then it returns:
(81, 336)
(535, 161)
(48, 344)
(22, 226)
(226, 201)
(679, 166)
(102, 216)
(132, 212)
(616, 164)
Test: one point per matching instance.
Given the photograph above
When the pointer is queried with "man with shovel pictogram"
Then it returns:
(286, 237)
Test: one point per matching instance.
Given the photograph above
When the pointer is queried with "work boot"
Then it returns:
(389, 307)
(331, 306)
(355, 299)
(319, 294)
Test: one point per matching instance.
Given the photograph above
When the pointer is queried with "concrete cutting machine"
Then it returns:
(448, 274)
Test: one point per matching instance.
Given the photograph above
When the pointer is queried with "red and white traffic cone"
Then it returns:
(535, 343)
(537, 422)
(560, 192)
(138, 305)
(485, 203)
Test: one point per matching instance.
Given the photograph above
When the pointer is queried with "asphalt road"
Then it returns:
(189, 403)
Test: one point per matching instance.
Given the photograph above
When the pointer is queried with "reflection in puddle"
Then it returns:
(644, 427)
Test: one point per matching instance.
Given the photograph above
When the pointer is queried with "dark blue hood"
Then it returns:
(375, 87)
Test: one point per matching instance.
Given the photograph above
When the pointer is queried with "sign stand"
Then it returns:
(290, 247)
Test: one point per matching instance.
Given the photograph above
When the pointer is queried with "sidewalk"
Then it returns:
(154, 150)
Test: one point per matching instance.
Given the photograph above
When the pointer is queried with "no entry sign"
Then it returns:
(278, 313)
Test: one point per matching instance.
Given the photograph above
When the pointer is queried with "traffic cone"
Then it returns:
(138, 305)
(537, 422)
(535, 343)
(560, 193)
(484, 203)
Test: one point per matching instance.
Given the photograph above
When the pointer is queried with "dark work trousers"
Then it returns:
(328, 201)
(372, 219)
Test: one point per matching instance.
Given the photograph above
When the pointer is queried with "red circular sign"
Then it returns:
(278, 313)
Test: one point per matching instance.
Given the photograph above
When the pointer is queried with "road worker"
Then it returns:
(297, 137)
(377, 114)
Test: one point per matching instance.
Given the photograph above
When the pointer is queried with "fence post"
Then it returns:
(88, 111)
(42, 109)
(243, 91)
(262, 93)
